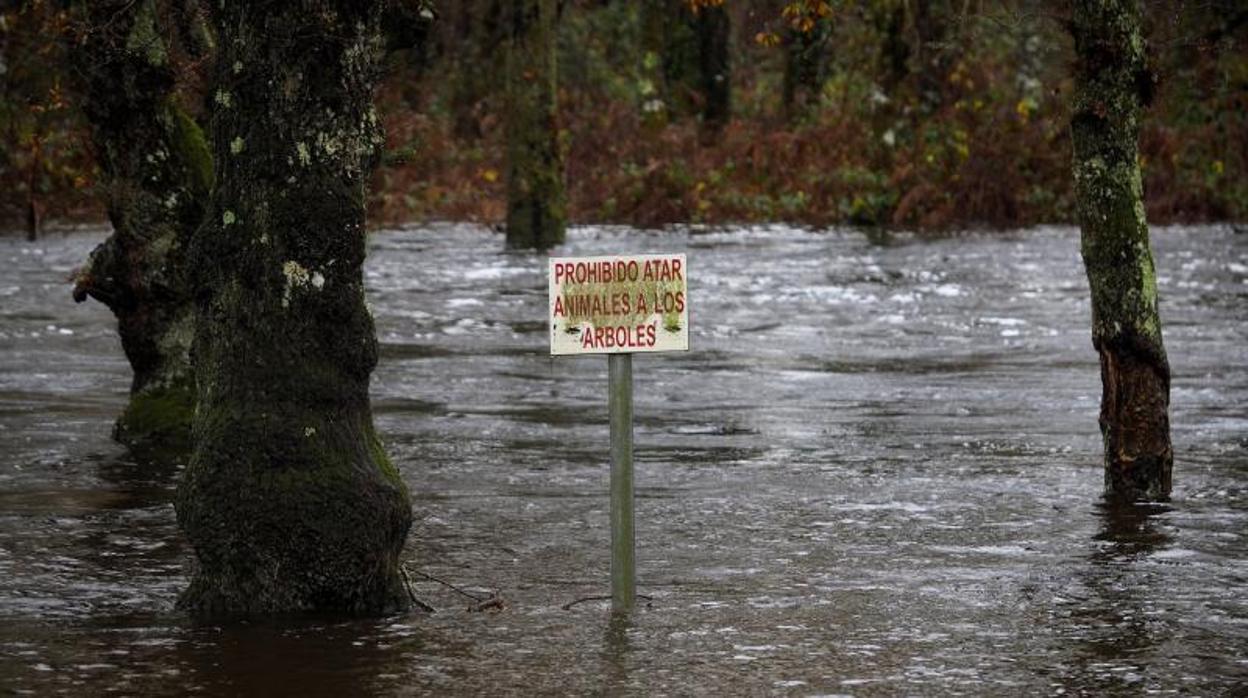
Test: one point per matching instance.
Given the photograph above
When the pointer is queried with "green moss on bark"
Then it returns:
(188, 141)
(157, 422)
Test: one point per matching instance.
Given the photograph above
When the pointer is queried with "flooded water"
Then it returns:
(876, 472)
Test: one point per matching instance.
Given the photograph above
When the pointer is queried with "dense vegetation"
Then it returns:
(893, 112)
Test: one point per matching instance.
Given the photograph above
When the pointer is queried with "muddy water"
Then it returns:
(876, 472)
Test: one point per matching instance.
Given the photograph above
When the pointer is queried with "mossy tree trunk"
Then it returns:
(289, 499)
(156, 172)
(536, 206)
(1112, 85)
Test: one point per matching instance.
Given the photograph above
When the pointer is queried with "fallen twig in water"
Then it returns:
(493, 602)
(407, 584)
(450, 586)
(568, 606)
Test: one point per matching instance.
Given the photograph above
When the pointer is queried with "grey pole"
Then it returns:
(620, 402)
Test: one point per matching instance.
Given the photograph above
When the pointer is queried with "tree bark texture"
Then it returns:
(289, 500)
(536, 201)
(156, 172)
(1112, 85)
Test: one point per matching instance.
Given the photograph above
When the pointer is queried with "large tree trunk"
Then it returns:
(156, 172)
(536, 208)
(1112, 84)
(289, 500)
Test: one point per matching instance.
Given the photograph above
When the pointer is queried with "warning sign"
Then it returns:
(619, 305)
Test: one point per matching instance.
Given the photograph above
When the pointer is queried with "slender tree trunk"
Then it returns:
(34, 207)
(1112, 85)
(894, 57)
(289, 500)
(805, 65)
(156, 173)
(536, 208)
(477, 31)
(656, 100)
(672, 31)
(932, 58)
(690, 54)
(715, 61)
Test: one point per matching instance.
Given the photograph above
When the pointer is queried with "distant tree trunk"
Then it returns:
(932, 20)
(894, 58)
(805, 66)
(715, 58)
(289, 500)
(477, 27)
(915, 47)
(1112, 84)
(690, 54)
(34, 207)
(536, 208)
(156, 173)
(656, 104)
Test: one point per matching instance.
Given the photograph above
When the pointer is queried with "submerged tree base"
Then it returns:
(284, 526)
(305, 537)
(1134, 407)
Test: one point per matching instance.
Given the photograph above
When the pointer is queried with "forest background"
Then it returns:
(931, 115)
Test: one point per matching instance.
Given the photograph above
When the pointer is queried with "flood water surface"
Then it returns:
(876, 471)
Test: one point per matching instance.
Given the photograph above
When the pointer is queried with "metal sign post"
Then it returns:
(619, 306)
(620, 404)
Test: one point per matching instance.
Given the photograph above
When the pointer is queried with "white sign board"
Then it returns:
(619, 305)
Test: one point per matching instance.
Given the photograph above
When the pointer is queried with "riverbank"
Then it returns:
(977, 135)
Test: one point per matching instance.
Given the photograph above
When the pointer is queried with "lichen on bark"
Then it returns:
(1112, 86)
(289, 500)
(536, 200)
